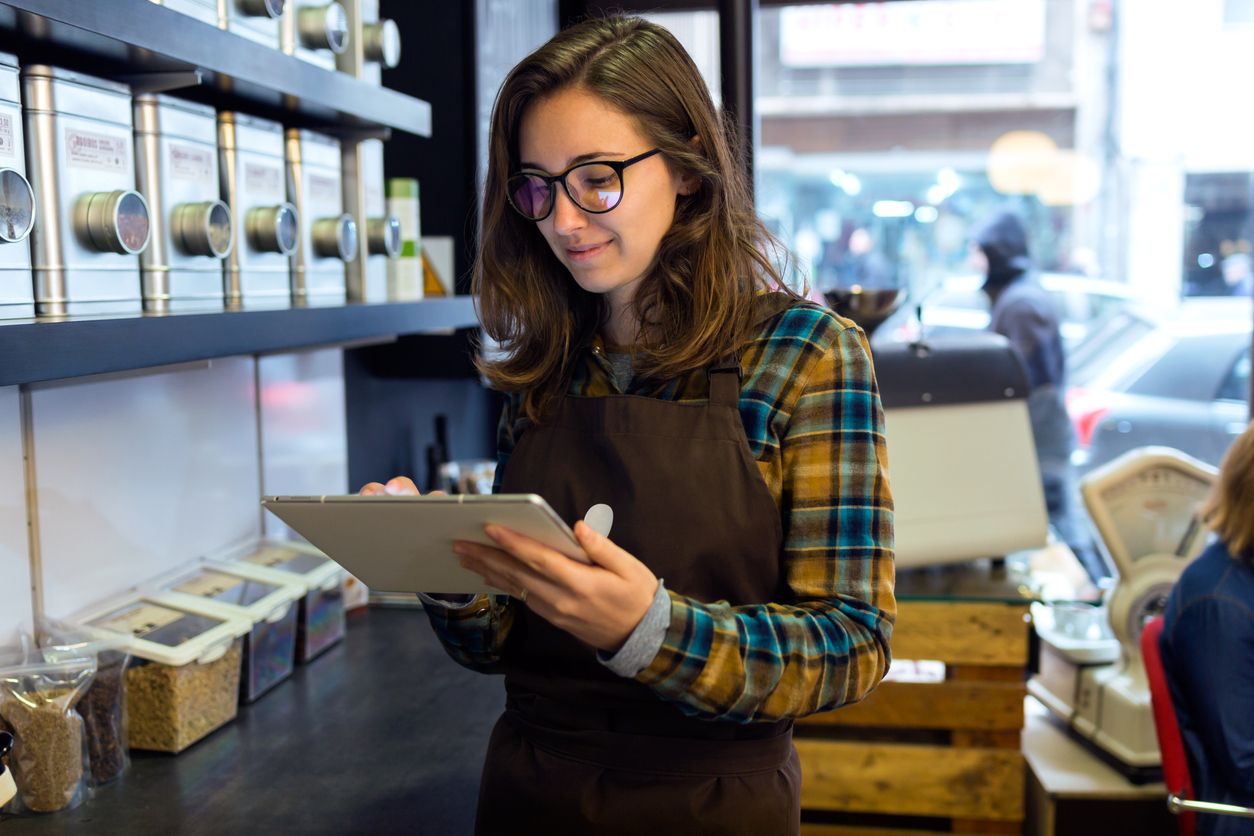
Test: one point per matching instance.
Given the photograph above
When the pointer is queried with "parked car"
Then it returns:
(1181, 380)
(958, 306)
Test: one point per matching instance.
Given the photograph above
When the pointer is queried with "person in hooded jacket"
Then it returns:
(1023, 313)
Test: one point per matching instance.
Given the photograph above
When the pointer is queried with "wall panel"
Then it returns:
(304, 441)
(15, 597)
(138, 474)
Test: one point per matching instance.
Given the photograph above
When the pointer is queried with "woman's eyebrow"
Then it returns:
(582, 158)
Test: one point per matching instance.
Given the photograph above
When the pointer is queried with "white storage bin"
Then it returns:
(183, 682)
(270, 606)
(321, 620)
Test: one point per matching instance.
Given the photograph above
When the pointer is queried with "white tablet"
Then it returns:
(405, 543)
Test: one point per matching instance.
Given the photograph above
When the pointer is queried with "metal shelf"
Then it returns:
(32, 351)
(126, 39)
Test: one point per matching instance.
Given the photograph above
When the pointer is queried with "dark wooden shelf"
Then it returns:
(32, 351)
(125, 39)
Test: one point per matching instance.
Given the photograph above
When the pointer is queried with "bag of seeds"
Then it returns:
(103, 707)
(37, 699)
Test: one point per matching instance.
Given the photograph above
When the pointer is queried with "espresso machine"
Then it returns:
(961, 459)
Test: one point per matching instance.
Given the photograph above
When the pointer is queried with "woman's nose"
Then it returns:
(567, 217)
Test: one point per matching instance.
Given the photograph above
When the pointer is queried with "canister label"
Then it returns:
(7, 147)
(90, 150)
(209, 584)
(187, 162)
(262, 178)
(323, 189)
(271, 556)
(141, 619)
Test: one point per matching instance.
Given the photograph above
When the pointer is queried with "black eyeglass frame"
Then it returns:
(551, 180)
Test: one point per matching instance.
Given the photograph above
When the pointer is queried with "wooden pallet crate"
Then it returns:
(939, 756)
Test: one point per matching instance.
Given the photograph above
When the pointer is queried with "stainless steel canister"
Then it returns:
(315, 30)
(205, 10)
(257, 20)
(176, 153)
(17, 201)
(266, 226)
(93, 224)
(383, 230)
(328, 237)
(374, 44)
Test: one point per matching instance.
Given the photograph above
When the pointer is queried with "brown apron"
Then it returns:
(580, 750)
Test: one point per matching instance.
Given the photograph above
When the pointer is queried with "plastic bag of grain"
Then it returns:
(37, 699)
(103, 706)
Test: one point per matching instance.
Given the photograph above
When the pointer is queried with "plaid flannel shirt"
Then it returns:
(812, 415)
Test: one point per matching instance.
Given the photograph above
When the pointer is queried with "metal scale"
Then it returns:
(1145, 508)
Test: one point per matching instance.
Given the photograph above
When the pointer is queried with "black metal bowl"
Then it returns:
(866, 307)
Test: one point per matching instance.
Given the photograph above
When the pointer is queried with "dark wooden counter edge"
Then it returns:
(135, 37)
(33, 351)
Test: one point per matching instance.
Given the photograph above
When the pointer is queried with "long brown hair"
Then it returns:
(1230, 509)
(696, 303)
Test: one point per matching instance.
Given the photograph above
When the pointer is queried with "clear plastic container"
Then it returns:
(321, 620)
(272, 607)
(103, 706)
(183, 682)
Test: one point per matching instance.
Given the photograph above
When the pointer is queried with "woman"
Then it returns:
(736, 434)
(1208, 647)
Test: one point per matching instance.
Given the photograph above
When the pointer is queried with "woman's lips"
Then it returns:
(586, 253)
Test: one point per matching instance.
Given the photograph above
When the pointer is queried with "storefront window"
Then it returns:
(1116, 130)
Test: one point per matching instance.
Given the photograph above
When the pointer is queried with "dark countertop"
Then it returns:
(381, 734)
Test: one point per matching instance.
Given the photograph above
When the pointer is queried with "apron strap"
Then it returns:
(725, 378)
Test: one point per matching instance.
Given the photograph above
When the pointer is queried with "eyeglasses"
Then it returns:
(595, 187)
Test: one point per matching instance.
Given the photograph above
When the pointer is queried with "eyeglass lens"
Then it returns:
(594, 187)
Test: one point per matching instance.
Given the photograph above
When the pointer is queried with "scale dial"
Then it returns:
(1145, 503)
(1135, 601)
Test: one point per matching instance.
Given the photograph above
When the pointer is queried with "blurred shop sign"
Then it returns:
(913, 32)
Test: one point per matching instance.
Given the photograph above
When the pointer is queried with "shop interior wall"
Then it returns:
(396, 390)
(138, 474)
(15, 598)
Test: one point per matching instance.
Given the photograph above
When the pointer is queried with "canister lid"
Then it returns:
(148, 108)
(244, 120)
(310, 137)
(163, 632)
(286, 561)
(215, 590)
(60, 74)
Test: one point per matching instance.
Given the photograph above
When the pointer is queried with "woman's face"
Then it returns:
(606, 253)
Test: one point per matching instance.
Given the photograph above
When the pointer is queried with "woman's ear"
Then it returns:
(689, 183)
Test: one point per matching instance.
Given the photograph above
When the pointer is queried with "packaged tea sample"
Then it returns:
(37, 700)
(183, 679)
(320, 623)
(271, 607)
(103, 707)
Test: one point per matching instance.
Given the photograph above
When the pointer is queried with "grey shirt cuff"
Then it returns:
(642, 646)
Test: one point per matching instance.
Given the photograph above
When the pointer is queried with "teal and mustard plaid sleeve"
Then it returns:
(474, 635)
(829, 644)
